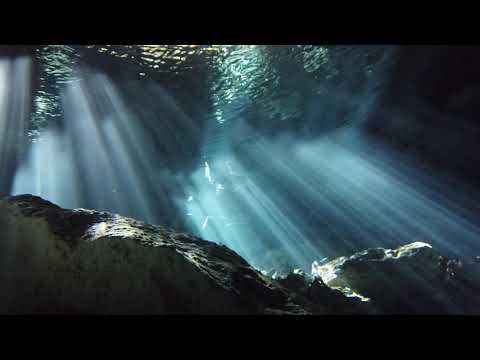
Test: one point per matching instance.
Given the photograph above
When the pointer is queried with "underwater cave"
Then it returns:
(239, 179)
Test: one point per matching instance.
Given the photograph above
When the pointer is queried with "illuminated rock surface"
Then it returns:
(82, 261)
(411, 279)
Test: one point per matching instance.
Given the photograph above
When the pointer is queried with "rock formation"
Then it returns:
(412, 279)
(81, 261)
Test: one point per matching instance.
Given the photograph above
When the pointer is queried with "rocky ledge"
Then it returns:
(54, 260)
(412, 279)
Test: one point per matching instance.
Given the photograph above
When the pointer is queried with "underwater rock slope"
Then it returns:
(54, 260)
(80, 261)
(412, 279)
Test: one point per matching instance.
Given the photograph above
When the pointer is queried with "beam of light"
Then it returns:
(15, 90)
(274, 201)
(328, 198)
(103, 157)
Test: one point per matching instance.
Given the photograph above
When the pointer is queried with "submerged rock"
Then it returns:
(318, 297)
(81, 261)
(411, 279)
(54, 260)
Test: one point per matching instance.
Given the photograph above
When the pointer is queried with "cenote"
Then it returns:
(288, 155)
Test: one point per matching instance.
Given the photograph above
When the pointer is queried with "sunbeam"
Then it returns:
(15, 95)
(279, 201)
